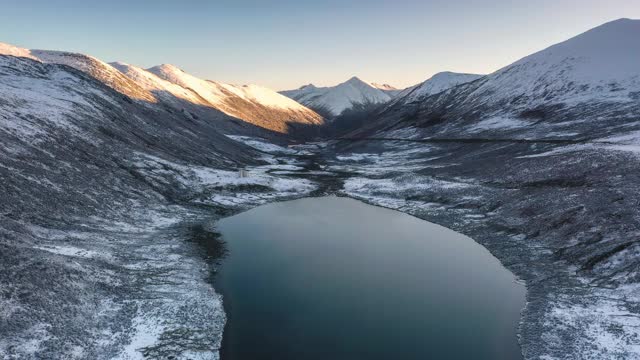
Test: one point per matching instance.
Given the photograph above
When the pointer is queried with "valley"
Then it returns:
(114, 179)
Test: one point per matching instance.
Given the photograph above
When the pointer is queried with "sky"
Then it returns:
(285, 44)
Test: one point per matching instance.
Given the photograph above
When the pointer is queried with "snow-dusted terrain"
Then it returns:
(113, 177)
(587, 86)
(537, 161)
(257, 106)
(434, 85)
(336, 99)
(104, 203)
(389, 89)
(561, 218)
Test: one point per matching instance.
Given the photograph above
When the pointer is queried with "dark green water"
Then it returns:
(334, 278)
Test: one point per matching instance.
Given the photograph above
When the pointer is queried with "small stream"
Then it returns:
(334, 278)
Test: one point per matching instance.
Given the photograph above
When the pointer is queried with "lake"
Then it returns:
(334, 278)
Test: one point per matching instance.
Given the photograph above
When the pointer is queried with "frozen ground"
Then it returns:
(140, 283)
(135, 286)
(106, 241)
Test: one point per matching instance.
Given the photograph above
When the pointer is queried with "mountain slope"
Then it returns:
(335, 100)
(255, 104)
(160, 88)
(88, 64)
(436, 84)
(538, 162)
(587, 86)
(389, 89)
(86, 176)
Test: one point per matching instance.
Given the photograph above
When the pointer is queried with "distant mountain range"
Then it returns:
(334, 100)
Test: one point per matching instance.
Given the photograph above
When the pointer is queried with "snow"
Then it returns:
(157, 85)
(498, 122)
(598, 65)
(389, 89)
(97, 69)
(41, 102)
(610, 328)
(339, 98)
(167, 82)
(68, 251)
(227, 188)
(436, 84)
(145, 333)
(266, 146)
(7, 49)
(383, 87)
(218, 93)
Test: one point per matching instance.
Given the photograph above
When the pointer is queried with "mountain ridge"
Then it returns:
(334, 100)
(255, 105)
(559, 89)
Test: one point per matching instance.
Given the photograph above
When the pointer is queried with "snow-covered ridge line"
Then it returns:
(171, 86)
(87, 64)
(436, 84)
(216, 92)
(585, 87)
(337, 99)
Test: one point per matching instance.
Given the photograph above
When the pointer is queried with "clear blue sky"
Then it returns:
(284, 44)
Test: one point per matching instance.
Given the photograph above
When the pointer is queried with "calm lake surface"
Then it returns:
(334, 278)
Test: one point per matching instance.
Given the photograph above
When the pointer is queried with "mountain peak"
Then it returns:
(8, 49)
(337, 99)
(437, 83)
(355, 80)
(119, 65)
(621, 21)
(385, 87)
(170, 68)
(609, 52)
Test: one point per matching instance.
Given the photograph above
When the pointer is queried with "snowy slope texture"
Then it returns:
(544, 158)
(585, 87)
(88, 64)
(162, 89)
(255, 105)
(86, 180)
(252, 103)
(335, 100)
(436, 84)
(389, 89)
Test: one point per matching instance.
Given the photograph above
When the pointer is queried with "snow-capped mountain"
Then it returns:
(85, 63)
(167, 84)
(160, 88)
(436, 84)
(566, 90)
(336, 99)
(389, 89)
(255, 104)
